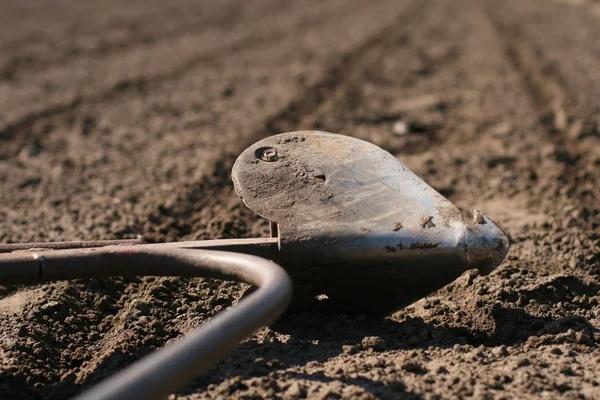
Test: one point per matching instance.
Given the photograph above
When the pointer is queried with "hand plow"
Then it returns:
(346, 218)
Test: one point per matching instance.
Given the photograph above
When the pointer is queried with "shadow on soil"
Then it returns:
(318, 337)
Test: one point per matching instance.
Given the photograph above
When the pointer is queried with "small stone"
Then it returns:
(50, 307)
(141, 306)
(349, 349)
(400, 128)
(582, 338)
(374, 342)
(22, 331)
(274, 363)
(294, 391)
(260, 362)
(471, 275)
(500, 351)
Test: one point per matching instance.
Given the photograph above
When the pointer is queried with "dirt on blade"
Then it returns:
(123, 121)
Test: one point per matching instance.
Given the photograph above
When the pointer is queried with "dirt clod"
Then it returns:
(373, 342)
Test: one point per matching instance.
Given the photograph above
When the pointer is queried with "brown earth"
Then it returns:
(123, 120)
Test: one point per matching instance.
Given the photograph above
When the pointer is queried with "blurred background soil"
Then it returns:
(123, 119)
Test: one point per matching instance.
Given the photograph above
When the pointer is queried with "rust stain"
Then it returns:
(424, 245)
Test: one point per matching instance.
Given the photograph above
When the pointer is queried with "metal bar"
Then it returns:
(10, 247)
(256, 246)
(168, 369)
(262, 247)
(22, 267)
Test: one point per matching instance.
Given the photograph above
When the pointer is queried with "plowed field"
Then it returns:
(123, 120)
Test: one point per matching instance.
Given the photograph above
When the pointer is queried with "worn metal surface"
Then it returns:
(351, 216)
(10, 247)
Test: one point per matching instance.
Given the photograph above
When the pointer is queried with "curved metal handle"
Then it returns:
(169, 368)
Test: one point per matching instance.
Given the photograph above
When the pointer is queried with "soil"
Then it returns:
(123, 120)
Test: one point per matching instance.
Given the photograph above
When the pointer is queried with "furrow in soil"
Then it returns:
(221, 112)
(453, 107)
(110, 29)
(493, 103)
(26, 101)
